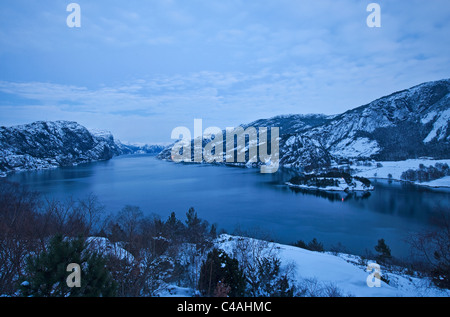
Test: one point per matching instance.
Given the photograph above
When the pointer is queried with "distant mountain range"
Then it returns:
(44, 144)
(407, 124)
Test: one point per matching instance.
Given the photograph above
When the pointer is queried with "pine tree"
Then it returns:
(46, 273)
(219, 268)
(383, 250)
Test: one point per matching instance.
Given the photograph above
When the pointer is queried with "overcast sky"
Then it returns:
(141, 68)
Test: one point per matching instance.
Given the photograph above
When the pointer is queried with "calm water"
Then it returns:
(234, 197)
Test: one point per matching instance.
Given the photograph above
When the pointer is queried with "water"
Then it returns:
(236, 197)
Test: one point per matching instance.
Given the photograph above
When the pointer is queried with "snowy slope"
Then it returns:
(50, 144)
(404, 125)
(343, 272)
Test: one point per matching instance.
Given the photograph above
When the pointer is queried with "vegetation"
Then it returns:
(220, 275)
(132, 254)
(330, 178)
(434, 247)
(426, 174)
(46, 273)
(313, 245)
(384, 252)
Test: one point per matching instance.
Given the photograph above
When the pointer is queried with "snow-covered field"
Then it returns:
(396, 168)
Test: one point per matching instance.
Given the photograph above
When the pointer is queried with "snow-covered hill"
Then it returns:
(407, 124)
(51, 144)
(324, 274)
(404, 125)
(46, 144)
(312, 273)
(343, 272)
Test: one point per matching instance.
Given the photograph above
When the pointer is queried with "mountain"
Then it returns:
(407, 124)
(140, 149)
(46, 144)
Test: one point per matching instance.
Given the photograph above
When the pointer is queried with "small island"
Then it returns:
(331, 181)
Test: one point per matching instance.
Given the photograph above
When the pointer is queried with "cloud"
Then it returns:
(142, 68)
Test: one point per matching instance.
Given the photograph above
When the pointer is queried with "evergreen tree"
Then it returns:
(46, 273)
(196, 229)
(174, 228)
(219, 268)
(383, 250)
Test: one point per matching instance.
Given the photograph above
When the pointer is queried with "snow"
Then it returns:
(441, 182)
(176, 291)
(396, 168)
(104, 246)
(429, 117)
(361, 147)
(343, 271)
(342, 186)
(439, 127)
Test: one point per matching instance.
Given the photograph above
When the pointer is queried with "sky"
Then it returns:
(139, 69)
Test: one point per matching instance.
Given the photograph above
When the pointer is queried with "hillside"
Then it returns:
(405, 125)
(44, 144)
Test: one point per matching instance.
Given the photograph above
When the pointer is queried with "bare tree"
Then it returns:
(129, 219)
(18, 234)
(434, 247)
(91, 209)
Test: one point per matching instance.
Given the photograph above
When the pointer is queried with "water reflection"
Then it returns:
(230, 196)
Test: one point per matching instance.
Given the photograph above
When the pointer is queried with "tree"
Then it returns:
(219, 268)
(383, 250)
(92, 209)
(129, 219)
(21, 231)
(174, 229)
(46, 273)
(434, 247)
(196, 229)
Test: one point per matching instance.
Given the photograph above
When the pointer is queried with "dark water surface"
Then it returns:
(241, 197)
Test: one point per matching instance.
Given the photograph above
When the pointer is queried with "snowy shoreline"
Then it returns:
(332, 188)
(392, 170)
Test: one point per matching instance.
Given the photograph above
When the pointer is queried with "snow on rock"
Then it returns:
(104, 246)
(47, 144)
(51, 144)
(360, 147)
(417, 117)
(440, 127)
